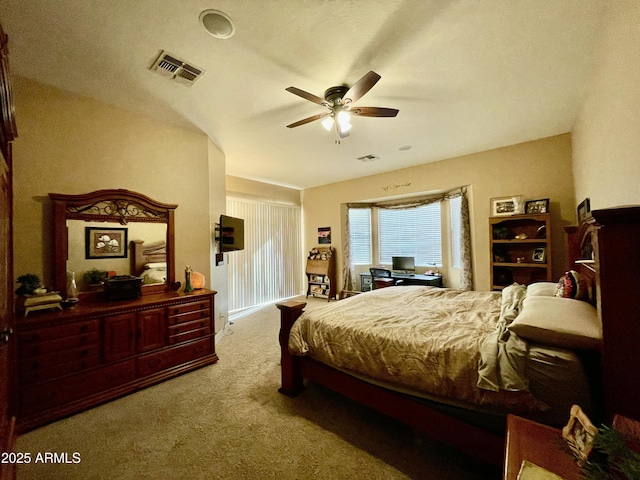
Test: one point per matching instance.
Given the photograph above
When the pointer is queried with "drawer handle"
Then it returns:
(84, 353)
(84, 328)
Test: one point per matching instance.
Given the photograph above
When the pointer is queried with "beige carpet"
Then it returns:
(227, 421)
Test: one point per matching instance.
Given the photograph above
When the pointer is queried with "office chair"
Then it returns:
(381, 277)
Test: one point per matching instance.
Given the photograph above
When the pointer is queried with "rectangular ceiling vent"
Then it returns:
(177, 69)
(368, 158)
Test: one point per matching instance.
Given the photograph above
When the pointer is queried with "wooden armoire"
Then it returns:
(8, 132)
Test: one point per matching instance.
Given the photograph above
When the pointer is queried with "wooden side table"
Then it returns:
(538, 444)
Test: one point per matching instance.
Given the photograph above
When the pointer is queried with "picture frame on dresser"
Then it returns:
(583, 209)
(579, 433)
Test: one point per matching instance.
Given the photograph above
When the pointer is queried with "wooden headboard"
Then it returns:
(142, 254)
(605, 247)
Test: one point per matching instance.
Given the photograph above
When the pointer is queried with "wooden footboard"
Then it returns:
(292, 381)
(476, 442)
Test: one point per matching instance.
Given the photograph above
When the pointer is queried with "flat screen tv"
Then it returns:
(231, 234)
(403, 264)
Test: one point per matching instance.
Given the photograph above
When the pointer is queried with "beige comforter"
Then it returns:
(423, 339)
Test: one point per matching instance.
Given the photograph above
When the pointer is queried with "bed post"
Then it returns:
(291, 375)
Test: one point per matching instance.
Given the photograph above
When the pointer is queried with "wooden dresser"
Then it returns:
(75, 359)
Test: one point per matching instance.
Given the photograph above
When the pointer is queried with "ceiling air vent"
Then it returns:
(368, 158)
(177, 69)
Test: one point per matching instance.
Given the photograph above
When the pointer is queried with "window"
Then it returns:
(413, 232)
(360, 236)
(455, 204)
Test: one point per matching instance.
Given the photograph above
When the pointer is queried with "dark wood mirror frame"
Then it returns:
(116, 205)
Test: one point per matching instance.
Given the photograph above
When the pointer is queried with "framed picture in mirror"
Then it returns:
(105, 242)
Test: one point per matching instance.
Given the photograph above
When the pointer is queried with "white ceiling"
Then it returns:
(467, 76)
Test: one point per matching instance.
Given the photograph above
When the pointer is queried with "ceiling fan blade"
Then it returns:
(374, 111)
(306, 95)
(308, 120)
(361, 87)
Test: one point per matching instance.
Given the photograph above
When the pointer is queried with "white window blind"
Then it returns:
(454, 222)
(413, 232)
(360, 236)
(270, 266)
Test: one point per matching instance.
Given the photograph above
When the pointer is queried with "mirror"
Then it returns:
(89, 269)
(105, 231)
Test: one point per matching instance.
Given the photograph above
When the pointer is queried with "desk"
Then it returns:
(538, 444)
(417, 279)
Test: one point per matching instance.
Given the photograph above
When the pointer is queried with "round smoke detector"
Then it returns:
(217, 23)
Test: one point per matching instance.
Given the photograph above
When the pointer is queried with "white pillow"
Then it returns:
(155, 265)
(561, 322)
(542, 289)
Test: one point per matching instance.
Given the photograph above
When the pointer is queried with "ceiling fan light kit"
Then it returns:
(339, 101)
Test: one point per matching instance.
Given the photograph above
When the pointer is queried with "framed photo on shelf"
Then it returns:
(583, 209)
(539, 255)
(503, 206)
(105, 242)
(579, 434)
(537, 206)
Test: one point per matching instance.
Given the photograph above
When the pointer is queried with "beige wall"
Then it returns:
(606, 138)
(72, 144)
(218, 206)
(539, 169)
(244, 188)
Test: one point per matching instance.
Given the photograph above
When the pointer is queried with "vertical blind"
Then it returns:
(413, 232)
(270, 266)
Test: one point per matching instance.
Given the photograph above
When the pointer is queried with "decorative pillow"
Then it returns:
(542, 289)
(561, 322)
(572, 285)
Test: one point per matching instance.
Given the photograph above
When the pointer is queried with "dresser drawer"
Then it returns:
(59, 358)
(188, 316)
(41, 397)
(59, 331)
(156, 362)
(187, 327)
(189, 335)
(33, 349)
(189, 307)
(37, 372)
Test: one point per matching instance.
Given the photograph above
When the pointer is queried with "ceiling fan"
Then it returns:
(339, 100)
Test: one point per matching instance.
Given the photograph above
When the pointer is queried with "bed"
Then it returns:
(149, 261)
(464, 402)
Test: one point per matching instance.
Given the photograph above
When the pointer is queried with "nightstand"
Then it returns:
(538, 444)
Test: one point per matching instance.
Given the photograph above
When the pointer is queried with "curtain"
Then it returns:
(466, 270)
(348, 273)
